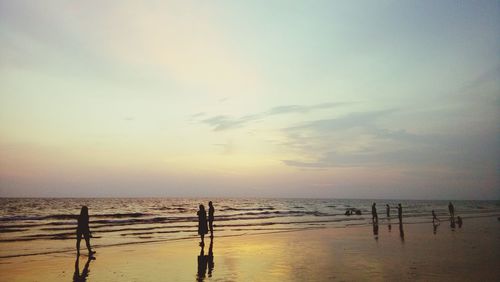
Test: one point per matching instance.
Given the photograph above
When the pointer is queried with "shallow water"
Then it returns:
(48, 225)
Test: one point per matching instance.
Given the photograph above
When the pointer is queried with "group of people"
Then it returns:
(387, 211)
(203, 228)
(205, 224)
(451, 210)
(388, 214)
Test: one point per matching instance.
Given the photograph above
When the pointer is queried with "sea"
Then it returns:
(34, 226)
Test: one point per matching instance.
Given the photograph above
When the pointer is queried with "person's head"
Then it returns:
(210, 204)
(202, 208)
(373, 204)
(84, 211)
(399, 205)
(387, 205)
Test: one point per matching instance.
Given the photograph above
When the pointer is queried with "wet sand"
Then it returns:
(470, 253)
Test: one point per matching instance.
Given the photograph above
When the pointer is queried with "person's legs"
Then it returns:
(78, 238)
(87, 241)
(210, 225)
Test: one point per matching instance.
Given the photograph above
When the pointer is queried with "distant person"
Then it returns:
(434, 217)
(400, 213)
(211, 211)
(374, 213)
(388, 210)
(83, 230)
(202, 224)
(451, 209)
(459, 221)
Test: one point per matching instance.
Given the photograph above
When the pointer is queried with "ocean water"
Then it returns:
(45, 225)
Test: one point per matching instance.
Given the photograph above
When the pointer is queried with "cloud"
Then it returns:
(361, 119)
(356, 140)
(224, 122)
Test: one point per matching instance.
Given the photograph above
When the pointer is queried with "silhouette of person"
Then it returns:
(210, 259)
(374, 213)
(388, 210)
(451, 209)
(81, 277)
(400, 214)
(202, 265)
(459, 221)
(434, 217)
(83, 230)
(202, 224)
(211, 218)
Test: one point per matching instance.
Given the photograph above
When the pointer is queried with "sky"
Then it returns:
(314, 99)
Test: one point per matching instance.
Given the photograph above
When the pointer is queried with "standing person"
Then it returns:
(451, 209)
(388, 210)
(202, 224)
(434, 217)
(400, 213)
(83, 230)
(374, 213)
(211, 218)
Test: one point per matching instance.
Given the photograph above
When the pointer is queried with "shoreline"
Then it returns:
(319, 254)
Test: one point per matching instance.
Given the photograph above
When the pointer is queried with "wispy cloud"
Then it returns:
(224, 122)
(317, 145)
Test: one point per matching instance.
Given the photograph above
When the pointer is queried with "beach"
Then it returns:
(352, 253)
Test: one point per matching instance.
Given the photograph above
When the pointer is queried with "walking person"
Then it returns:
(202, 224)
(211, 211)
(388, 210)
(374, 213)
(83, 230)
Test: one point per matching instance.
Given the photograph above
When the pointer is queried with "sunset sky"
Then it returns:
(338, 99)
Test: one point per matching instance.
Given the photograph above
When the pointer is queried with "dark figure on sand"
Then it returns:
(83, 230)
(211, 211)
(374, 213)
(401, 231)
(202, 265)
(375, 230)
(204, 261)
(459, 221)
(81, 277)
(434, 217)
(388, 210)
(202, 224)
(400, 213)
(451, 209)
(210, 259)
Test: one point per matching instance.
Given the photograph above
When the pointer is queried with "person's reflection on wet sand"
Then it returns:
(452, 223)
(375, 230)
(435, 227)
(77, 276)
(202, 265)
(389, 226)
(210, 258)
(401, 232)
